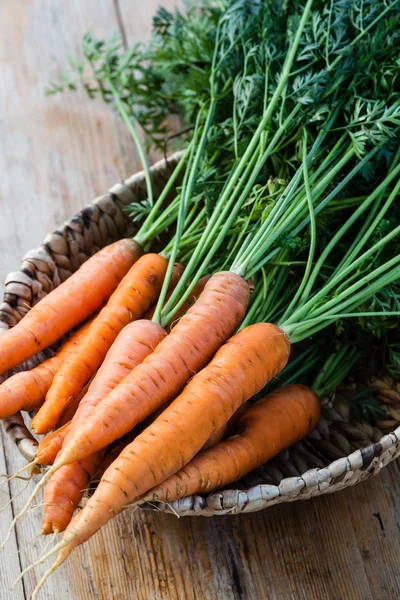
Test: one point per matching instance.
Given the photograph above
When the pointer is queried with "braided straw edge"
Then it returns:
(47, 266)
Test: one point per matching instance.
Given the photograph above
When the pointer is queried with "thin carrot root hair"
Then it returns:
(27, 544)
(59, 560)
(17, 475)
(14, 497)
(42, 558)
(25, 508)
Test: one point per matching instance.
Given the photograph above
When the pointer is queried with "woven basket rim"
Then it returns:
(339, 474)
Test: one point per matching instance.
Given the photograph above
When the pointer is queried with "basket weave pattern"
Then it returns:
(301, 472)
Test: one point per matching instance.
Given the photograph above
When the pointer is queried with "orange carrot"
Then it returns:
(50, 445)
(164, 373)
(240, 369)
(129, 302)
(267, 427)
(27, 390)
(64, 492)
(68, 304)
(136, 341)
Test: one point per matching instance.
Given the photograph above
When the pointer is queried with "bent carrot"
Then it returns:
(164, 373)
(267, 427)
(68, 304)
(239, 370)
(27, 390)
(64, 492)
(129, 302)
(136, 341)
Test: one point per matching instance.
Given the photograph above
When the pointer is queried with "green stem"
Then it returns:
(132, 130)
(241, 167)
(186, 196)
(313, 232)
(339, 234)
(145, 234)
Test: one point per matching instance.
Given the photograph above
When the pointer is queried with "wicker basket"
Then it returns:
(305, 470)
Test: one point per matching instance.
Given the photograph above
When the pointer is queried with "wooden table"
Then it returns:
(56, 154)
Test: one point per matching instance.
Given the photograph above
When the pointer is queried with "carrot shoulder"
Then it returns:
(239, 370)
(164, 373)
(68, 304)
(267, 427)
(27, 390)
(129, 302)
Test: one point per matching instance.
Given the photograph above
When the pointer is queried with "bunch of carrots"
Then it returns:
(160, 390)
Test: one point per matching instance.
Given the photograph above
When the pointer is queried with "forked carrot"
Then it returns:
(129, 302)
(68, 304)
(164, 373)
(27, 390)
(240, 369)
(267, 427)
(64, 492)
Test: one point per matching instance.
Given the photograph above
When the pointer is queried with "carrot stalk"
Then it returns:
(129, 302)
(27, 390)
(240, 369)
(267, 427)
(68, 304)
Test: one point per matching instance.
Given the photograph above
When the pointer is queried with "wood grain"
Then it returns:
(56, 155)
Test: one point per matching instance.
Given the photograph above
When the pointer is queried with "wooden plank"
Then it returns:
(57, 153)
(377, 535)
(10, 565)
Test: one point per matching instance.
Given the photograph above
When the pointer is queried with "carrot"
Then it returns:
(64, 492)
(50, 445)
(267, 427)
(68, 304)
(240, 369)
(136, 341)
(164, 373)
(129, 302)
(71, 409)
(27, 390)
